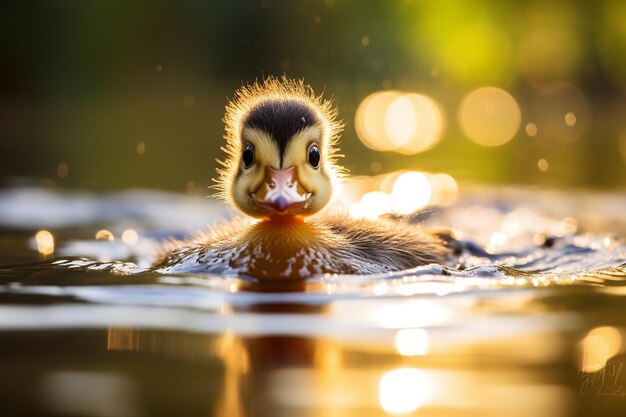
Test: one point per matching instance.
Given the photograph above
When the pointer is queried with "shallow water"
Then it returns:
(530, 320)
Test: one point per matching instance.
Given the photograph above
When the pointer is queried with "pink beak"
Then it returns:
(280, 192)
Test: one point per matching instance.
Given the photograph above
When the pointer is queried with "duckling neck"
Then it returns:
(285, 232)
(283, 220)
(286, 247)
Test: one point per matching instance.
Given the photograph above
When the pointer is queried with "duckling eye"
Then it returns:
(248, 156)
(314, 156)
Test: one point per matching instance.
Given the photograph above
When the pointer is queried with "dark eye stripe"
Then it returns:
(248, 156)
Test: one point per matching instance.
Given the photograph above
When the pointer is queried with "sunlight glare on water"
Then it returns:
(401, 192)
(463, 338)
(411, 191)
(372, 205)
(469, 261)
(411, 314)
(404, 390)
(412, 342)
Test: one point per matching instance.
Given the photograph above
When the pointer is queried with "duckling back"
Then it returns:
(387, 245)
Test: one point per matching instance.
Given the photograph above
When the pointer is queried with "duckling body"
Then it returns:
(300, 249)
(281, 172)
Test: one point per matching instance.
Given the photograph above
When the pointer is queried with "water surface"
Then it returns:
(530, 320)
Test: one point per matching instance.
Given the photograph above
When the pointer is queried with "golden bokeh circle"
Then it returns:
(406, 123)
(489, 116)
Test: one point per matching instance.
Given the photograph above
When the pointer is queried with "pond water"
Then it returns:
(530, 320)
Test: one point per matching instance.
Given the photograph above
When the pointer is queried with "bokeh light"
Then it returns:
(399, 192)
(62, 170)
(411, 191)
(403, 75)
(412, 342)
(570, 119)
(562, 112)
(404, 390)
(414, 122)
(598, 346)
(445, 190)
(130, 236)
(45, 242)
(370, 120)
(489, 116)
(400, 121)
(140, 148)
(104, 234)
(394, 121)
(531, 129)
(411, 314)
(386, 181)
(371, 205)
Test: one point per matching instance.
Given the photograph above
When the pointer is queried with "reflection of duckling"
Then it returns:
(280, 168)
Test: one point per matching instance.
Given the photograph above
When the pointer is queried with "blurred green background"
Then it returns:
(113, 94)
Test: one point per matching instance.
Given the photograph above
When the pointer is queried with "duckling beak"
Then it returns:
(281, 193)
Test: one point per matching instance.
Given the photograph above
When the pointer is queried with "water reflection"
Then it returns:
(412, 342)
(274, 354)
(414, 313)
(502, 341)
(404, 390)
(103, 394)
(598, 346)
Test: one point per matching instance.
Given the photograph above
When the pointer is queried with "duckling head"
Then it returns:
(281, 150)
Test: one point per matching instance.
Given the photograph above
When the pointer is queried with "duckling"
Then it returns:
(281, 172)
